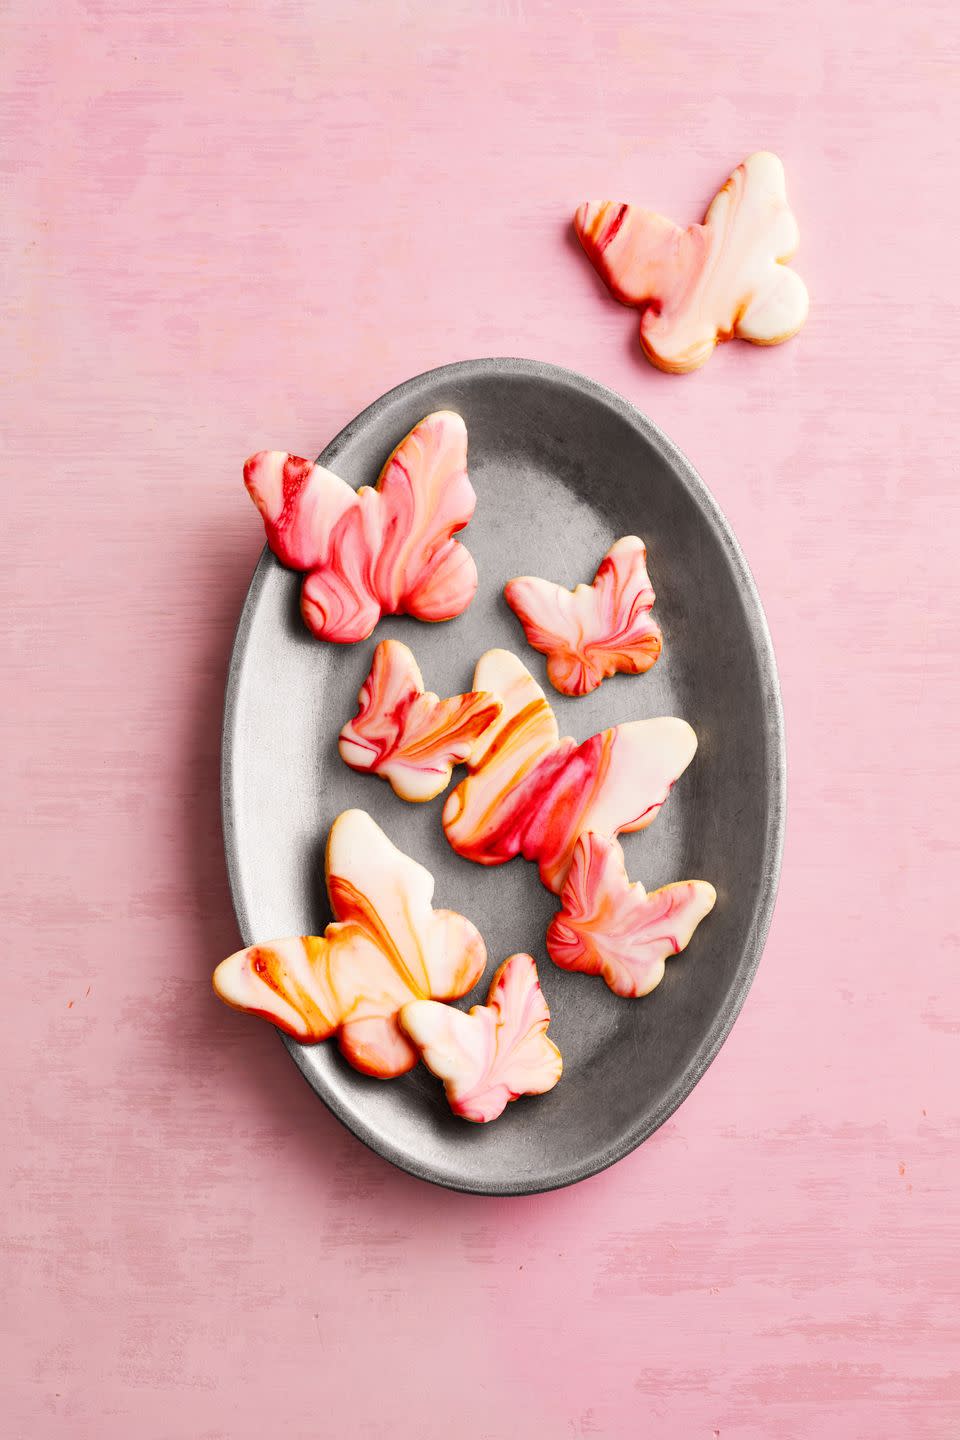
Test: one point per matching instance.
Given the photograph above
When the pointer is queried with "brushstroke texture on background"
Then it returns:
(225, 227)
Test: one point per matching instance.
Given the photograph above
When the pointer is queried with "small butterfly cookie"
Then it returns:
(709, 282)
(608, 927)
(595, 630)
(494, 1054)
(408, 735)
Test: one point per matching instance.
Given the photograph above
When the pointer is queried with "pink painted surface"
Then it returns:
(229, 227)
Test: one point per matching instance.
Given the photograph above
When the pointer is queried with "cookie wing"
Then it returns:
(426, 498)
(301, 504)
(316, 986)
(387, 895)
(635, 252)
(287, 982)
(483, 816)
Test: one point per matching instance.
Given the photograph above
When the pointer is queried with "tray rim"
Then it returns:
(758, 630)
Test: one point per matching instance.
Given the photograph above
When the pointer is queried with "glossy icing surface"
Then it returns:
(497, 1051)
(594, 630)
(608, 927)
(408, 735)
(709, 282)
(385, 947)
(531, 793)
(372, 552)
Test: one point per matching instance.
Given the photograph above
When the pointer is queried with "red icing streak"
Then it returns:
(295, 473)
(613, 228)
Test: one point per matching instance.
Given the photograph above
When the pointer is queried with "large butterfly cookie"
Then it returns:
(387, 946)
(372, 552)
(529, 792)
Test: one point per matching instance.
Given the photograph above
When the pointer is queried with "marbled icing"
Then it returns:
(696, 286)
(408, 735)
(529, 792)
(495, 1053)
(594, 630)
(386, 946)
(608, 927)
(373, 551)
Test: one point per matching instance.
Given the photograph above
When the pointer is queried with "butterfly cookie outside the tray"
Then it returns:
(706, 283)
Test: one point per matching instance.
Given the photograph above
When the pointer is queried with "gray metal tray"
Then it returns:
(561, 467)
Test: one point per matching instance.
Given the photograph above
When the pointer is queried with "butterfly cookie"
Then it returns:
(608, 927)
(408, 735)
(595, 630)
(494, 1054)
(528, 792)
(387, 946)
(374, 551)
(709, 282)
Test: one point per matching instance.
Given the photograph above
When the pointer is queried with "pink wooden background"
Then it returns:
(230, 226)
